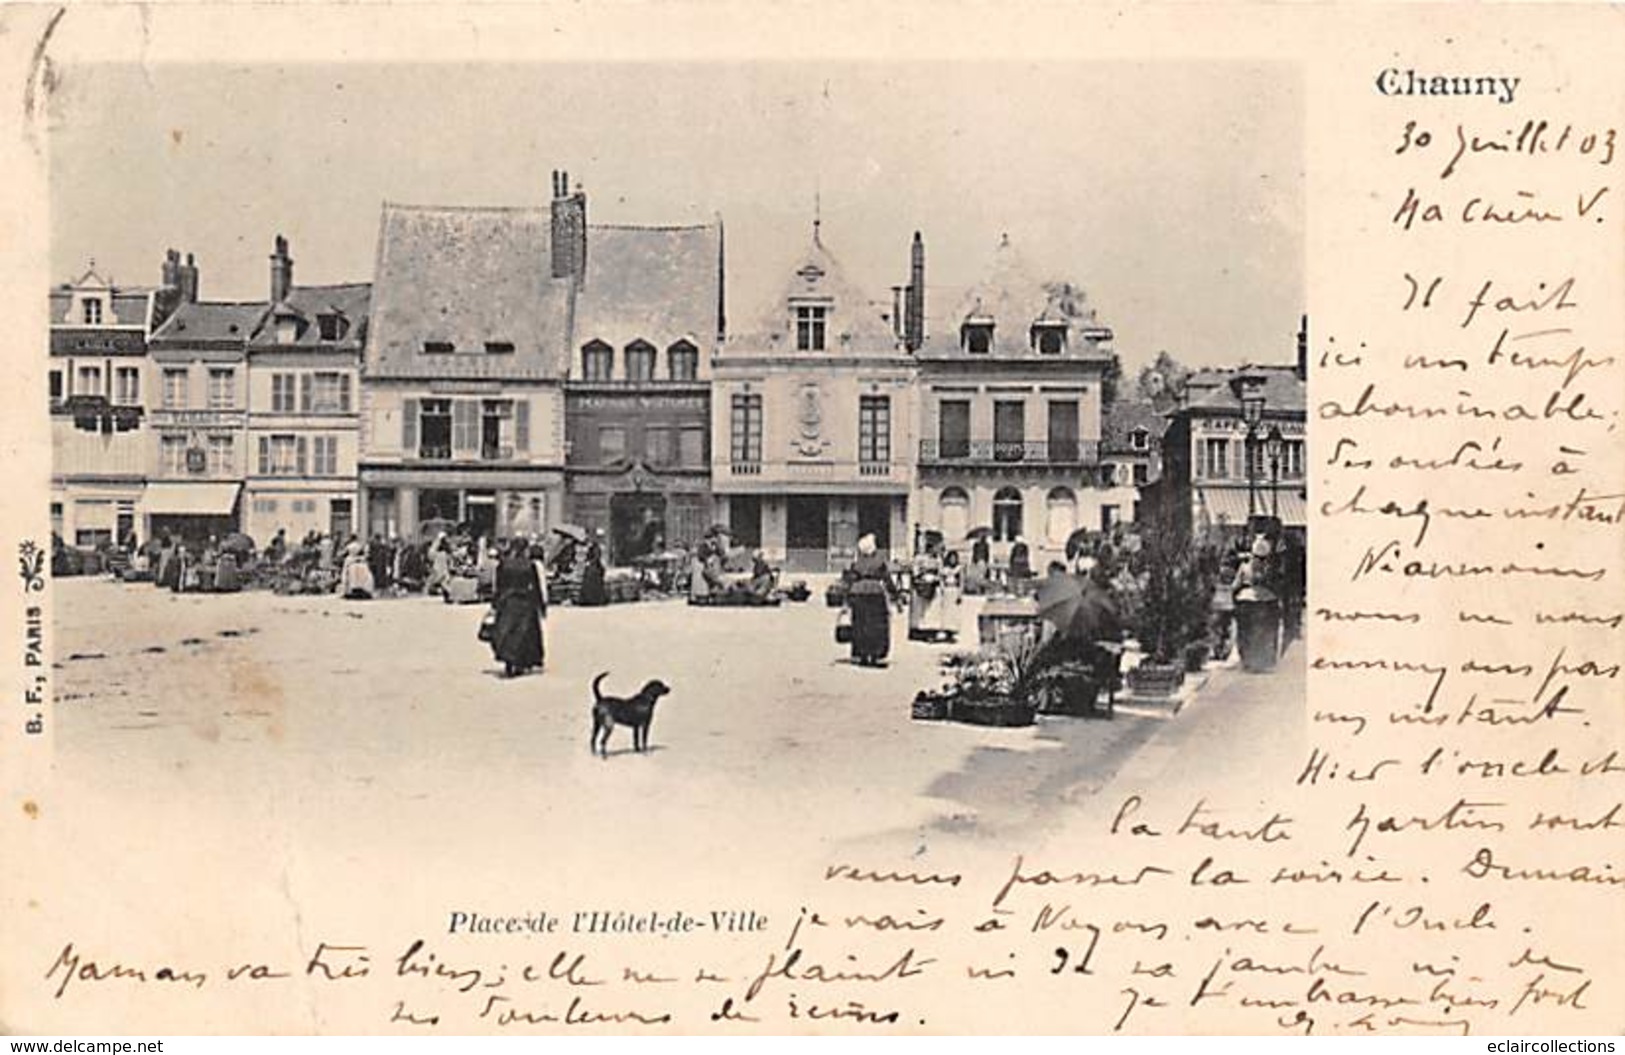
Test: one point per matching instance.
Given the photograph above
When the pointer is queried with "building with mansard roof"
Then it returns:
(1220, 470)
(99, 398)
(1010, 403)
(304, 406)
(813, 422)
(198, 416)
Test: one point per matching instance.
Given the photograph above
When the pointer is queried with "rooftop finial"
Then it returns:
(818, 213)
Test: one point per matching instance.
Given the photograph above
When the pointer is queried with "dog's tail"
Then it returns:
(597, 696)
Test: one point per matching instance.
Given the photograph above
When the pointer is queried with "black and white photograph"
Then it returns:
(900, 451)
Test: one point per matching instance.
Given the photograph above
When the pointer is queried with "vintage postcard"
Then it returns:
(813, 519)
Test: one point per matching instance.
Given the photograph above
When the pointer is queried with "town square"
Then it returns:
(588, 492)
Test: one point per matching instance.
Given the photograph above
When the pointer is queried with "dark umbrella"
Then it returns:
(434, 527)
(573, 532)
(1077, 608)
(1080, 541)
(717, 529)
(975, 533)
(237, 542)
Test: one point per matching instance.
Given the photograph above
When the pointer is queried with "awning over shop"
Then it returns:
(1228, 505)
(189, 499)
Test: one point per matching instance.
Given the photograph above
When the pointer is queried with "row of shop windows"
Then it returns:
(277, 455)
(1217, 462)
(270, 506)
(598, 362)
(1009, 515)
(89, 380)
(660, 446)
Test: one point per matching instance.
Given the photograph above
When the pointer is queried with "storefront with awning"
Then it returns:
(190, 510)
(1230, 508)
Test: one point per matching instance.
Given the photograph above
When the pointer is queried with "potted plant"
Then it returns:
(1002, 688)
(1171, 611)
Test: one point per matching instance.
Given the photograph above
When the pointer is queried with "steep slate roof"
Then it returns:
(660, 284)
(854, 325)
(128, 305)
(349, 300)
(467, 276)
(1284, 392)
(1014, 300)
(211, 323)
(1122, 417)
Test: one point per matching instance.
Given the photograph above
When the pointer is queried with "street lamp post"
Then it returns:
(1252, 412)
(1272, 446)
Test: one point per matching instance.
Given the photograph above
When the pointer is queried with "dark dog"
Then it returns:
(636, 711)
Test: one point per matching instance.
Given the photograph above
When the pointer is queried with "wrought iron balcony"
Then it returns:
(1006, 452)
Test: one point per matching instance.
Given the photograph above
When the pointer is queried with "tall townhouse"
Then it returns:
(648, 320)
(464, 366)
(198, 414)
(99, 395)
(1010, 406)
(813, 423)
(304, 407)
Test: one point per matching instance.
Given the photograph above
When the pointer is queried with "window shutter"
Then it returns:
(521, 425)
(299, 461)
(265, 456)
(464, 424)
(344, 393)
(306, 387)
(409, 426)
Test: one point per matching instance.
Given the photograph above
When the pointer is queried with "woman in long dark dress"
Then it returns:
(592, 593)
(869, 592)
(517, 638)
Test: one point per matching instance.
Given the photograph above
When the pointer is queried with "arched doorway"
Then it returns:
(1061, 516)
(953, 513)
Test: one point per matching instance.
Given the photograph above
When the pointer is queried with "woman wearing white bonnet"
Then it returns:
(869, 592)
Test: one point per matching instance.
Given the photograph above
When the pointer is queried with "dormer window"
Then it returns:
(287, 329)
(1049, 338)
(92, 311)
(597, 361)
(976, 337)
(640, 361)
(330, 326)
(811, 323)
(498, 347)
(438, 348)
(1139, 439)
(683, 361)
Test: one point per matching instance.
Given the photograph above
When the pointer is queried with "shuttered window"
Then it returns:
(521, 425)
(409, 427)
(465, 425)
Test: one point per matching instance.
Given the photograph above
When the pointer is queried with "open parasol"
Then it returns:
(574, 532)
(237, 542)
(1078, 608)
(975, 533)
(434, 527)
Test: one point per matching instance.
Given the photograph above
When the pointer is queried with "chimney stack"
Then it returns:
(1303, 348)
(897, 311)
(569, 216)
(914, 312)
(171, 270)
(281, 272)
(188, 278)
